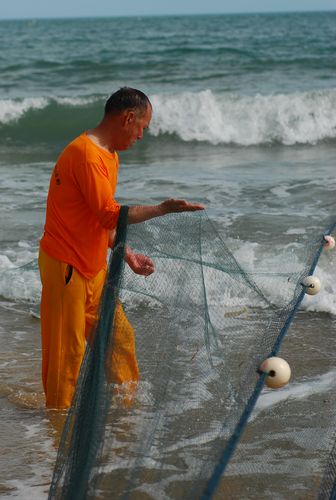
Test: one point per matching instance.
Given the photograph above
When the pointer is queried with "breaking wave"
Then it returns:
(205, 116)
(302, 118)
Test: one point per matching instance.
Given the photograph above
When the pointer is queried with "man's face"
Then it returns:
(134, 126)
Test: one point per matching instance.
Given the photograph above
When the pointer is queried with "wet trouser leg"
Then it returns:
(69, 306)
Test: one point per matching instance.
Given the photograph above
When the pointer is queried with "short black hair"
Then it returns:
(127, 98)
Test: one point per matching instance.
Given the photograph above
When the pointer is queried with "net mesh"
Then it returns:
(203, 326)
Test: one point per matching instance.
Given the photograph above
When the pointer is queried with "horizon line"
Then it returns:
(111, 16)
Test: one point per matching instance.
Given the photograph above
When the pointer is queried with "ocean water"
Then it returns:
(244, 122)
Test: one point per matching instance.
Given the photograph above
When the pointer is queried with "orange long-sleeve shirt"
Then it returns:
(80, 207)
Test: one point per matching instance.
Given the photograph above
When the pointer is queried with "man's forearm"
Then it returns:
(138, 214)
(142, 213)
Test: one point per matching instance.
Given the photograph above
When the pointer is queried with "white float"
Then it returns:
(278, 370)
(312, 285)
(329, 242)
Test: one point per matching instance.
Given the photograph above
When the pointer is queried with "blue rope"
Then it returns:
(233, 441)
(240, 427)
(287, 323)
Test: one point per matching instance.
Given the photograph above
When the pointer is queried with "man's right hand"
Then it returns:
(141, 213)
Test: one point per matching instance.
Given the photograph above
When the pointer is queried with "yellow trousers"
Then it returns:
(69, 304)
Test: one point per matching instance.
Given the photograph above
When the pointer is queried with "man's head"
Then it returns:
(129, 112)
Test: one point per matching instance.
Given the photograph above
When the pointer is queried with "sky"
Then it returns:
(16, 9)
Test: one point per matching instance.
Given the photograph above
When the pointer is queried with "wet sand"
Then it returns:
(282, 452)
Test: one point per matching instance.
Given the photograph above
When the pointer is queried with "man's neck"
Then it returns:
(98, 136)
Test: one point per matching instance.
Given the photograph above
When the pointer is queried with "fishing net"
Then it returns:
(203, 326)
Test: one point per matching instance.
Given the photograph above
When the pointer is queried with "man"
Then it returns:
(81, 218)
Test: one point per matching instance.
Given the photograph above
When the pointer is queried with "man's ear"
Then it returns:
(129, 117)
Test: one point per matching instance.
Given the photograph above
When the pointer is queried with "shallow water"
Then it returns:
(244, 200)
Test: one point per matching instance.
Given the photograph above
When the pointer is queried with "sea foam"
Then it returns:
(205, 116)
(11, 110)
(300, 390)
(305, 118)
(19, 275)
(20, 279)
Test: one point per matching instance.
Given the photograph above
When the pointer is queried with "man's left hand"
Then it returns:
(139, 263)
